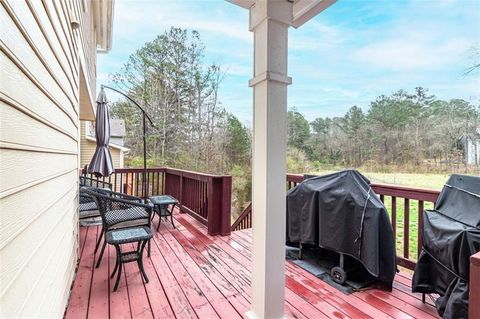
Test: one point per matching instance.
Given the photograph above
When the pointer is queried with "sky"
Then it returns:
(347, 55)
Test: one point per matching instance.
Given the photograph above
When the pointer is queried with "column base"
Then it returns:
(251, 315)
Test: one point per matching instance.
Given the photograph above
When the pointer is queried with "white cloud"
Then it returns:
(137, 17)
(412, 52)
(351, 53)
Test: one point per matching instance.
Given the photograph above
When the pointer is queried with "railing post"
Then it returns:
(219, 194)
(474, 298)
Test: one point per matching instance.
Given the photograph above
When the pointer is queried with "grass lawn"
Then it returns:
(432, 181)
(413, 224)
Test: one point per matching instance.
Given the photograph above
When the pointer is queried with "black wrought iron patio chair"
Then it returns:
(118, 211)
(87, 206)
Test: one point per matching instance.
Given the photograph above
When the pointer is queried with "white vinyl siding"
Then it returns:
(39, 152)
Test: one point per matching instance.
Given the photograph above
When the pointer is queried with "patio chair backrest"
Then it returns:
(92, 182)
(118, 210)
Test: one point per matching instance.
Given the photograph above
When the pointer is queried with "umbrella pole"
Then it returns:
(145, 186)
(145, 117)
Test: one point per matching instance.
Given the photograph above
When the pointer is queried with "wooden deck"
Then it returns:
(193, 275)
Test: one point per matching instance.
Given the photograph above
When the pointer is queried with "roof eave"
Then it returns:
(303, 10)
(103, 19)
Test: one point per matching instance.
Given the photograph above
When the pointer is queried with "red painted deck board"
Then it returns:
(194, 275)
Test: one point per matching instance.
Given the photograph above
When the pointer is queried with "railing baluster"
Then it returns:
(420, 223)
(394, 216)
(136, 183)
(126, 184)
(406, 227)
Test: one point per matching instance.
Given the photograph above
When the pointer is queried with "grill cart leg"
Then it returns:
(338, 274)
(300, 251)
(423, 297)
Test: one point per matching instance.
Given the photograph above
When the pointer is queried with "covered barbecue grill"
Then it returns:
(340, 212)
(451, 234)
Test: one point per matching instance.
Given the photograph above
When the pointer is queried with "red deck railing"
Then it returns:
(208, 199)
(204, 196)
(474, 298)
(392, 196)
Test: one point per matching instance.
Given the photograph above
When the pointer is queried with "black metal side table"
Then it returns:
(117, 237)
(161, 205)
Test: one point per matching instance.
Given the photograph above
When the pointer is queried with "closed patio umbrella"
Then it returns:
(101, 163)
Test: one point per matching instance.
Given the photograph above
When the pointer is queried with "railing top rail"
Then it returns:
(132, 170)
(186, 173)
(298, 178)
(138, 170)
(406, 188)
(174, 171)
(475, 259)
(424, 194)
(429, 195)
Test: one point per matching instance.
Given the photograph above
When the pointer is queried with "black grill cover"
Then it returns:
(341, 212)
(451, 234)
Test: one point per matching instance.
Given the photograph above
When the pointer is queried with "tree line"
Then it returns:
(404, 129)
(171, 80)
(179, 90)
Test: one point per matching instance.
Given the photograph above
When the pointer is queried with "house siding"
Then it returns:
(40, 61)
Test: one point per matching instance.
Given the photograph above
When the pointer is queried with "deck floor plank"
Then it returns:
(137, 296)
(218, 301)
(80, 296)
(178, 301)
(329, 305)
(99, 305)
(159, 302)
(234, 297)
(119, 301)
(325, 309)
(194, 275)
(192, 291)
(425, 310)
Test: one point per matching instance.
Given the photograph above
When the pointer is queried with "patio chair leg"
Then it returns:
(98, 241)
(171, 218)
(159, 222)
(119, 260)
(101, 254)
(149, 248)
(140, 261)
(115, 269)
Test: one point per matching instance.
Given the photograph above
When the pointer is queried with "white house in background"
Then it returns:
(47, 85)
(471, 149)
(88, 143)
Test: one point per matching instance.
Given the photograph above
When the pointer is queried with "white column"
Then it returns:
(269, 21)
